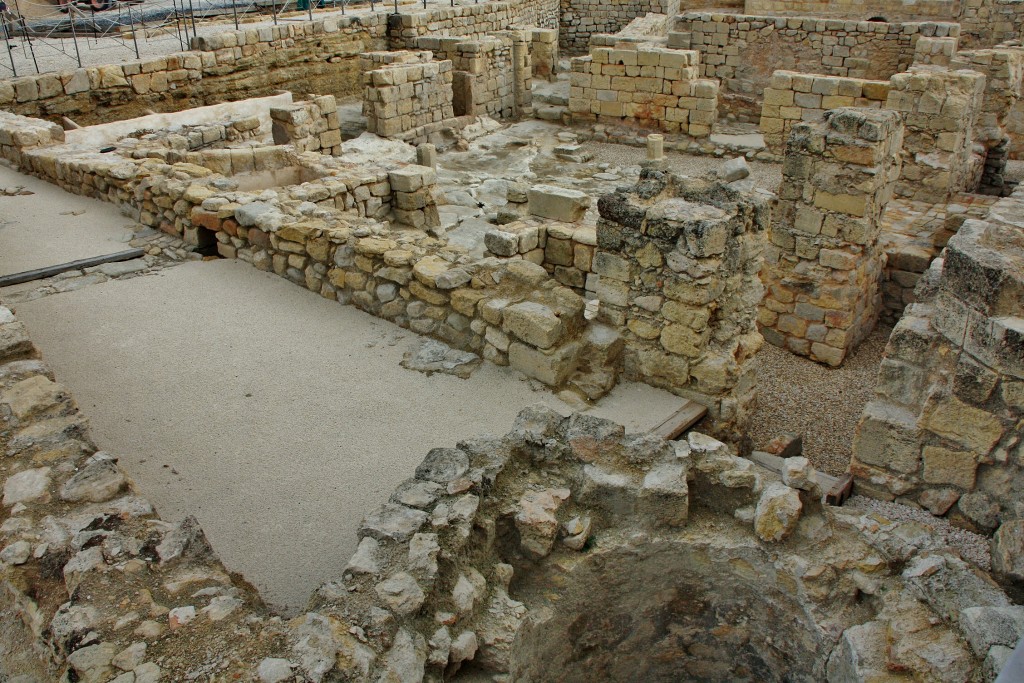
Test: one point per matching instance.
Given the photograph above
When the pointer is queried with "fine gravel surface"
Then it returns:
(972, 547)
(277, 417)
(820, 403)
(767, 176)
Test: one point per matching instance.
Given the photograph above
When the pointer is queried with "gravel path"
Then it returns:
(767, 176)
(821, 403)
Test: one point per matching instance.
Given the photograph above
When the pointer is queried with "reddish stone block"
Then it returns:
(205, 219)
(230, 227)
(258, 238)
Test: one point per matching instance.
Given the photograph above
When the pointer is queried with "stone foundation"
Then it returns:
(824, 265)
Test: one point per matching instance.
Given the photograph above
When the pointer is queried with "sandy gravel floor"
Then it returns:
(821, 403)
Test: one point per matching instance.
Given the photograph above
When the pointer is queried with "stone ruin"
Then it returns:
(568, 549)
(564, 549)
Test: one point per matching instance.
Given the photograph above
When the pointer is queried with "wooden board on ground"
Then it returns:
(837, 489)
(681, 420)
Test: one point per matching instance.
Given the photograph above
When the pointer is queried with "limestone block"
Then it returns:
(558, 203)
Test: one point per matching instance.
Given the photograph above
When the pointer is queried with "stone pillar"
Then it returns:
(544, 53)
(676, 266)
(426, 155)
(311, 126)
(823, 266)
(939, 108)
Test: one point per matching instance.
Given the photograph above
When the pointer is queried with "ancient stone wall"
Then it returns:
(492, 75)
(404, 90)
(794, 97)
(643, 85)
(983, 23)
(939, 108)
(677, 266)
(744, 51)
(943, 430)
(823, 267)
(308, 57)
(311, 126)
(998, 126)
(582, 18)
(470, 21)
(453, 574)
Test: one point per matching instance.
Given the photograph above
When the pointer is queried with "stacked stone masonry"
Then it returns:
(318, 56)
(582, 18)
(983, 23)
(492, 75)
(646, 86)
(405, 90)
(308, 126)
(823, 266)
(677, 266)
(452, 575)
(1001, 120)
(939, 109)
(794, 97)
(743, 51)
(944, 428)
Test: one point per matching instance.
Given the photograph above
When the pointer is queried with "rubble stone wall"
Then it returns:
(582, 18)
(677, 266)
(823, 267)
(940, 108)
(404, 90)
(308, 126)
(307, 57)
(646, 86)
(453, 574)
(743, 51)
(793, 97)
(944, 428)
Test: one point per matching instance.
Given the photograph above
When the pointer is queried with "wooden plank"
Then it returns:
(50, 271)
(840, 490)
(681, 420)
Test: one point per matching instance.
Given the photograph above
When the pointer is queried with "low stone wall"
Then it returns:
(743, 51)
(823, 268)
(318, 57)
(983, 23)
(677, 266)
(173, 144)
(940, 108)
(405, 90)
(470, 21)
(794, 97)
(582, 18)
(454, 573)
(645, 86)
(943, 428)
(565, 250)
